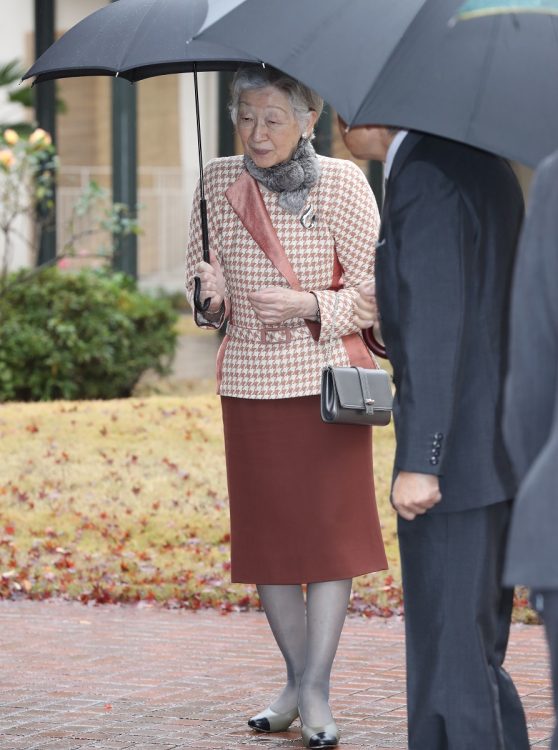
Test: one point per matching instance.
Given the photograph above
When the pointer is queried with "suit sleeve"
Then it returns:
(430, 226)
(532, 382)
(354, 223)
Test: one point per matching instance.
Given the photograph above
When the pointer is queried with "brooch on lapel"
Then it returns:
(308, 218)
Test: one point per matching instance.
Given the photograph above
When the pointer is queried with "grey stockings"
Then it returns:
(307, 635)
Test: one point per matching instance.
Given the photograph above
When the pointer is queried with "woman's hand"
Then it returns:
(212, 283)
(366, 308)
(274, 305)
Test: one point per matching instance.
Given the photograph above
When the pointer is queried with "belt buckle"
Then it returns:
(283, 330)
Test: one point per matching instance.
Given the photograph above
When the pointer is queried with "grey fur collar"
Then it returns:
(292, 179)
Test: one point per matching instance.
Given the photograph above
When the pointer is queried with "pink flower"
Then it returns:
(63, 263)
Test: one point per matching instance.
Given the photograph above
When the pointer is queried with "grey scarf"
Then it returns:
(291, 179)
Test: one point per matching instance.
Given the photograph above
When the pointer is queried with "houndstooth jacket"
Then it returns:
(329, 256)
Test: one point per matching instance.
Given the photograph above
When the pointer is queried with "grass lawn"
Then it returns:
(120, 501)
(123, 501)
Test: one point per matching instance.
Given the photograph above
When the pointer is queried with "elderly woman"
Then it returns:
(292, 235)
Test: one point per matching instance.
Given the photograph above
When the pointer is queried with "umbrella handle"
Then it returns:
(202, 306)
(204, 230)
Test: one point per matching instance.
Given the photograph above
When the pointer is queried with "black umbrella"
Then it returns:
(138, 39)
(404, 63)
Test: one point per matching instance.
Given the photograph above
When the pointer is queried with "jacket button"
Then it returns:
(434, 461)
(439, 436)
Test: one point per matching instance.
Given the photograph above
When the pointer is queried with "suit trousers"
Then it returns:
(457, 621)
(546, 603)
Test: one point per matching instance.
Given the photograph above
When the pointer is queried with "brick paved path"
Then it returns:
(149, 679)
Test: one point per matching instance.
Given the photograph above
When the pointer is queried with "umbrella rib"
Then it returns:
(489, 56)
(134, 35)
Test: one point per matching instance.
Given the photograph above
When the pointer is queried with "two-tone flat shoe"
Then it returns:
(327, 736)
(272, 721)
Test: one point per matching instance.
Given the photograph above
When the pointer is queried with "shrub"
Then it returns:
(78, 336)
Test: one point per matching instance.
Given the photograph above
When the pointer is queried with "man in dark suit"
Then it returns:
(531, 409)
(443, 269)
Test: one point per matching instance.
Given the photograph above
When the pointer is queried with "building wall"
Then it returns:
(84, 131)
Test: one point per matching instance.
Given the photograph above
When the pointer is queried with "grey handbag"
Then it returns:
(354, 395)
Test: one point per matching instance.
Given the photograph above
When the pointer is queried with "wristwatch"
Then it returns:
(317, 316)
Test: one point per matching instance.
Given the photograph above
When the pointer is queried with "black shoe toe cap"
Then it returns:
(260, 725)
(323, 739)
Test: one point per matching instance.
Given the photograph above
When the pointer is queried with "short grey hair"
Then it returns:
(302, 98)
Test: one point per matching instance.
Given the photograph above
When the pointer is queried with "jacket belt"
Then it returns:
(275, 335)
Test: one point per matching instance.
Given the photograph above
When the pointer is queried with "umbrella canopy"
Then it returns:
(490, 83)
(138, 39)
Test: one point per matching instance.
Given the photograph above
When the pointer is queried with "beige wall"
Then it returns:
(158, 106)
(84, 132)
(79, 130)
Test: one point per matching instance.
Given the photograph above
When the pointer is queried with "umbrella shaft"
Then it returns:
(205, 233)
(198, 126)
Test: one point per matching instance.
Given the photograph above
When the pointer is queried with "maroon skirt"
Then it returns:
(301, 494)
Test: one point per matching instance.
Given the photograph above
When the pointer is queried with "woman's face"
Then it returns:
(267, 126)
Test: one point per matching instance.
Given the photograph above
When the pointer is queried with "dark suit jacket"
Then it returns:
(531, 404)
(443, 271)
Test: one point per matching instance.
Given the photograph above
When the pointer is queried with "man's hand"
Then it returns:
(413, 494)
(366, 309)
(274, 305)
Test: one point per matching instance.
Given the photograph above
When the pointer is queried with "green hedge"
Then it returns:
(80, 335)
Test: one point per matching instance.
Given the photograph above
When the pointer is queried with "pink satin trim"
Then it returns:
(248, 204)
